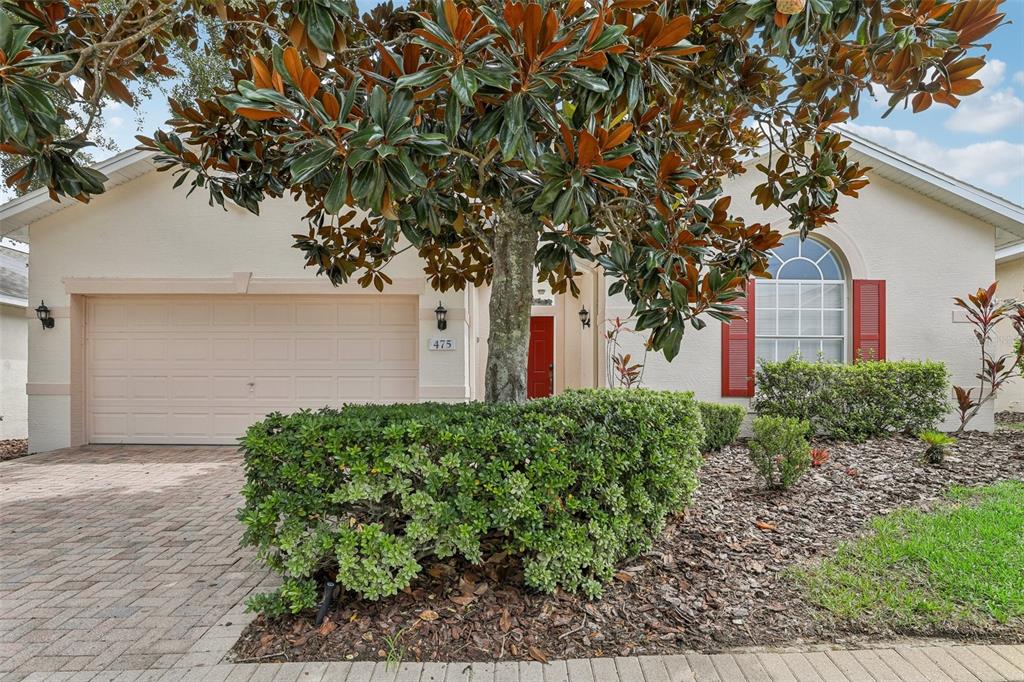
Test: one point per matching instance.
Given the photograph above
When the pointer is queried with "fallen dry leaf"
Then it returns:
(429, 616)
(463, 600)
(538, 655)
(327, 627)
(764, 525)
(622, 576)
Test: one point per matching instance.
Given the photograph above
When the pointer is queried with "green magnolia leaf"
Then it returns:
(337, 194)
(464, 85)
(311, 163)
(12, 115)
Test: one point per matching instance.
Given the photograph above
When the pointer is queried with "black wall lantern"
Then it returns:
(442, 317)
(584, 317)
(43, 313)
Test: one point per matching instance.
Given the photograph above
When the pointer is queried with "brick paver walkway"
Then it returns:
(123, 563)
(121, 558)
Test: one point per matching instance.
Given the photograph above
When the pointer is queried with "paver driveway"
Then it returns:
(121, 557)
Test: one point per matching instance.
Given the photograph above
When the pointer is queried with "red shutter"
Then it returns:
(738, 350)
(868, 319)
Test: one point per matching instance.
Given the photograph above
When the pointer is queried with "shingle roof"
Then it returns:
(13, 277)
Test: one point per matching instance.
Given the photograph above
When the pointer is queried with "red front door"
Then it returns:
(540, 368)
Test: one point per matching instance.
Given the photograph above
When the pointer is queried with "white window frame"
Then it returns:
(845, 310)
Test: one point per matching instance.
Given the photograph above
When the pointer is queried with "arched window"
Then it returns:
(803, 309)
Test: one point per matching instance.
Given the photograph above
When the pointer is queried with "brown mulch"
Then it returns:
(715, 579)
(12, 449)
(1008, 417)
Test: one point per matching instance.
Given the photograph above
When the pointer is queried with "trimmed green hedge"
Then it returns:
(722, 424)
(368, 495)
(855, 402)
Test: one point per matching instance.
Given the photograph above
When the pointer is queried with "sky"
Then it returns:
(980, 142)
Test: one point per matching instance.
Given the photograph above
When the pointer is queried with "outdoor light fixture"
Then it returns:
(442, 314)
(43, 313)
(584, 317)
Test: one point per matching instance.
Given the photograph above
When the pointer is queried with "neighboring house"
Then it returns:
(1010, 273)
(181, 323)
(13, 339)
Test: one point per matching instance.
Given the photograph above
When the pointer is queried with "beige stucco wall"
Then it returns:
(1010, 275)
(13, 370)
(144, 229)
(925, 251)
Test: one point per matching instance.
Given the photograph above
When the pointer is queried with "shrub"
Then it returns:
(937, 443)
(855, 402)
(779, 450)
(571, 485)
(721, 424)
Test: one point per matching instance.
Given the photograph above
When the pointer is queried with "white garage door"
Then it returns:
(200, 369)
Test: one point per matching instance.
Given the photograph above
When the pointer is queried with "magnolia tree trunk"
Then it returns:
(508, 345)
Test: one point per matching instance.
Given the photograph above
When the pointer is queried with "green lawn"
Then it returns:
(960, 563)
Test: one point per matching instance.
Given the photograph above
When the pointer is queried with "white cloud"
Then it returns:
(115, 121)
(992, 109)
(987, 112)
(997, 165)
(993, 73)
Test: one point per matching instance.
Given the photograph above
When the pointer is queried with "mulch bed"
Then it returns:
(12, 449)
(715, 579)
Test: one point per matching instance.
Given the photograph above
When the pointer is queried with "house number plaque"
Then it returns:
(441, 344)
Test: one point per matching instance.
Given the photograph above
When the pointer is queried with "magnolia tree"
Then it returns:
(502, 139)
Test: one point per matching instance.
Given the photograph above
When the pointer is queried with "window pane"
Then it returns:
(812, 249)
(809, 349)
(789, 322)
(764, 294)
(799, 269)
(786, 349)
(830, 268)
(765, 349)
(832, 350)
(788, 295)
(765, 321)
(833, 297)
(789, 248)
(810, 323)
(833, 323)
(810, 296)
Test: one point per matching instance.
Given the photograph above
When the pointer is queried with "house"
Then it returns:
(1010, 274)
(13, 339)
(176, 322)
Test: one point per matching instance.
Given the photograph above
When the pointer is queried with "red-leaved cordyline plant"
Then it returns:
(622, 372)
(985, 312)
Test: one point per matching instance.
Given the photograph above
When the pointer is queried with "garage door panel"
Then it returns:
(108, 387)
(274, 314)
(190, 387)
(233, 348)
(272, 349)
(147, 315)
(102, 350)
(316, 349)
(189, 350)
(149, 387)
(317, 314)
(201, 369)
(227, 314)
(147, 350)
